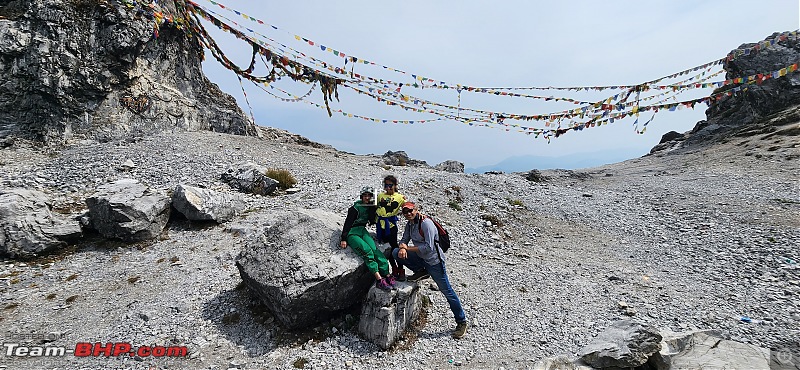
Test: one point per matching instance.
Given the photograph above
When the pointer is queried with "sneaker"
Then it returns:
(383, 285)
(390, 279)
(461, 330)
(422, 274)
(399, 273)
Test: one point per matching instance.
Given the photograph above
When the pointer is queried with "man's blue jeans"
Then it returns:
(439, 275)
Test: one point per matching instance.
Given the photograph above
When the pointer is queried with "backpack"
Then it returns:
(444, 237)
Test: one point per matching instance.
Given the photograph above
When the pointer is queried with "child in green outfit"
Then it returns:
(355, 234)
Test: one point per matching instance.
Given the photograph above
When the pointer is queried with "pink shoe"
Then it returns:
(390, 280)
(382, 284)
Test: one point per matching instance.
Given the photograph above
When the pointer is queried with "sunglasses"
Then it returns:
(388, 185)
(407, 211)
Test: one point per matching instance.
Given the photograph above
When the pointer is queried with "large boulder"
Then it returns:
(450, 166)
(400, 158)
(250, 178)
(625, 344)
(199, 204)
(706, 349)
(292, 261)
(385, 315)
(128, 210)
(28, 227)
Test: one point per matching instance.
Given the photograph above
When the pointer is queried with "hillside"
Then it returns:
(697, 234)
(690, 240)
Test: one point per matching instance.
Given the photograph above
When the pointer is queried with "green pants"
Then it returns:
(359, 239)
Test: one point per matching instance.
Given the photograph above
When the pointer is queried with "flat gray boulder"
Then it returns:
(128, 210)
(624, 344)
(385, 315)
(250, 178)
(706, 349)
(292, 261)
(199, 204)
(28, 227)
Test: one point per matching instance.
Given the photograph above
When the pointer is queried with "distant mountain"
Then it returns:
(573, 161)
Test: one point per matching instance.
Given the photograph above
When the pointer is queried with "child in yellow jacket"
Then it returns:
(389, 203)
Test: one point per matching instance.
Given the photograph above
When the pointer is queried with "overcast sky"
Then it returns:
(493, 44)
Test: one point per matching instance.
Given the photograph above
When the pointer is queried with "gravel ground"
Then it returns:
(682, 240)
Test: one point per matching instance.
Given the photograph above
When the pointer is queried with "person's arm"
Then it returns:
(429, 231)
(348, 224)
(372, 217)
(407, 237)
(404, 241)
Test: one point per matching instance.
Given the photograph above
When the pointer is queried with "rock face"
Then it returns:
(450, 166)
(199, 204)
(625, 344)
(292, 261)
(128, 210)
(27, 227)
(747, 112)
(94, 69)
(385, 315)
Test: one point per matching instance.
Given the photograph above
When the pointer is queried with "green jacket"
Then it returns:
(358, 215)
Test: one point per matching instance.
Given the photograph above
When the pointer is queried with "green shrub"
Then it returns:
(454, 205)
(515, 202)
(283, 177)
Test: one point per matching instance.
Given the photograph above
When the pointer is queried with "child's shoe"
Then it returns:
(382, 284)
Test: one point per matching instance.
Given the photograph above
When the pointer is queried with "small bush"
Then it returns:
(515, 202)
(454, 205)
(283, 177)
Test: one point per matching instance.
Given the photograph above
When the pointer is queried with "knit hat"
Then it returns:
(367, 189)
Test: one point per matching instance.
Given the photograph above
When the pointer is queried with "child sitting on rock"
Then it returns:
(355, 234)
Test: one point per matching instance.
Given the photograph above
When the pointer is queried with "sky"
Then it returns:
(491, 44)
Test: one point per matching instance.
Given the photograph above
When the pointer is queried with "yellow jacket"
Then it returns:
(395, 203)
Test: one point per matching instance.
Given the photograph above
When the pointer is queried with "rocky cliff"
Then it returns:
(105, 69)
(763, 104)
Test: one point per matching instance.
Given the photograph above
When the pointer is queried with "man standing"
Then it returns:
(425, 258)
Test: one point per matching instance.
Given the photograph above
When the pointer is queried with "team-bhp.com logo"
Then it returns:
(85, 349)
